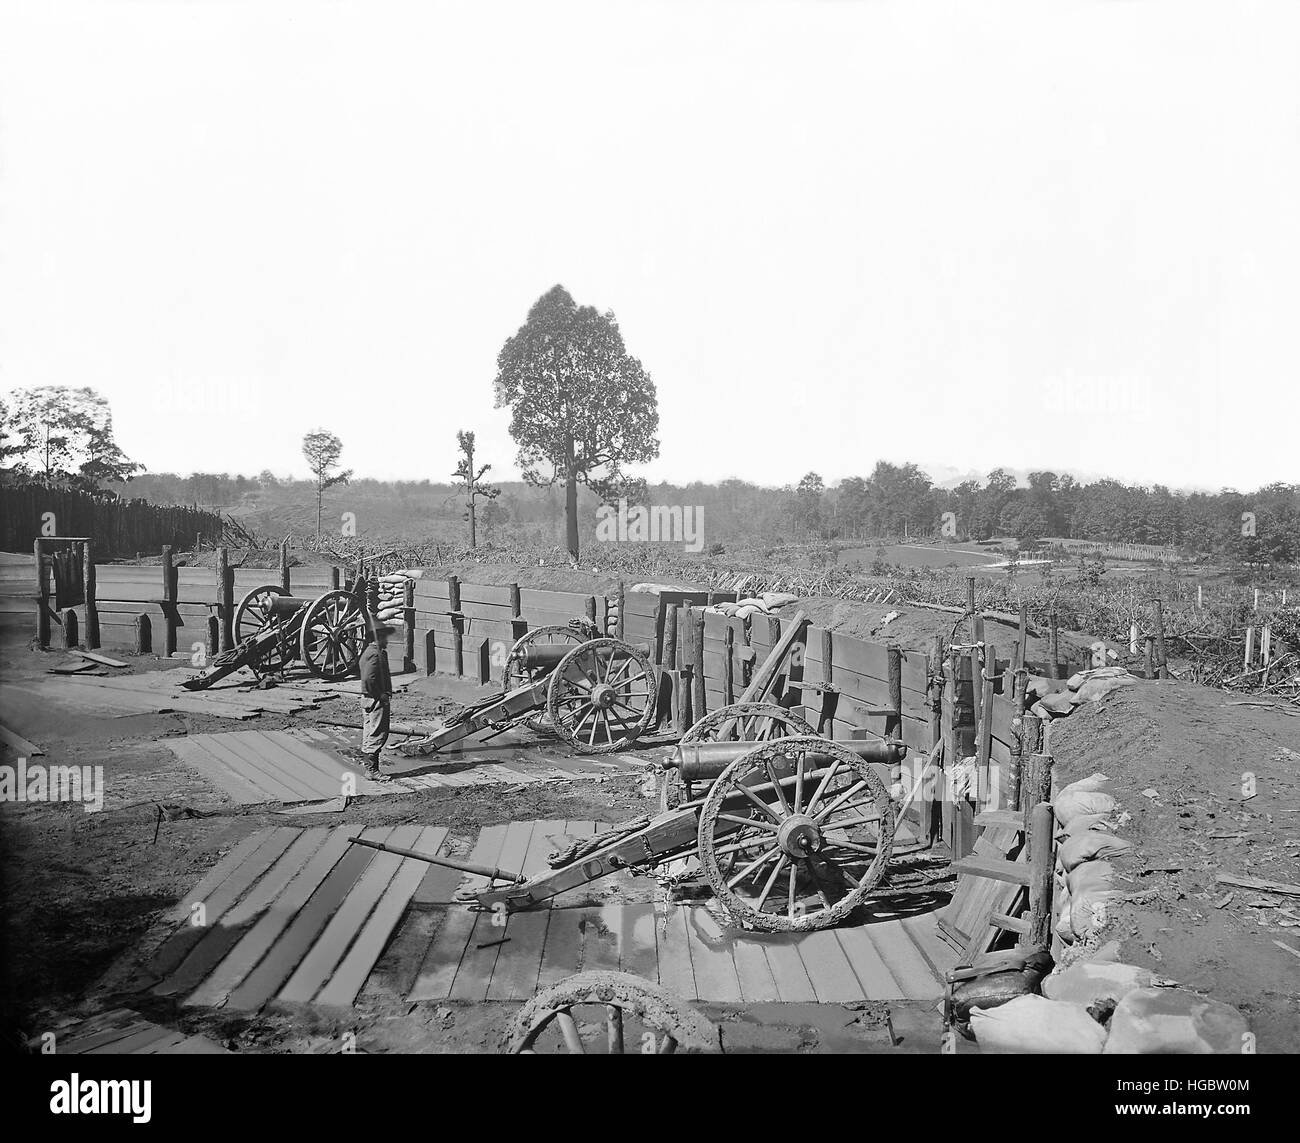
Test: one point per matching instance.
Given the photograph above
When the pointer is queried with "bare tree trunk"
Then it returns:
(570, 500)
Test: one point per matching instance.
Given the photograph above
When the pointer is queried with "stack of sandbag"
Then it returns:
(763, 604)
(611, 616)
(1087, 843)
(1085, 686)
(392, 596)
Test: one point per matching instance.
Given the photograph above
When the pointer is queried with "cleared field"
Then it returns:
(921, 556)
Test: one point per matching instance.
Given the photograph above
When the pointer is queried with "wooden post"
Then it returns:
(1015, 778)
(962, 817)
(1148, 667)
(970, 600)
(225, 601)
(1250, 649)
(1265, 644)
(69, 629)
(1040, 877)
(516, 604)
(213, 636)
(699, 702)
(894, 663)
(590, 604)
(1162, 661)
(1056, 647)
(169, 609)
(670, 655)
(335, 572)
(1022, 645)
(729, 666)
(408, 615)
(1036, 784)
(984, 751)
(143, 635)
(1133, 639)
(457, 623)
(1198, 597)
(622, 610)
(42, 600)
(934, 735)
(284, 567)
(91, 633)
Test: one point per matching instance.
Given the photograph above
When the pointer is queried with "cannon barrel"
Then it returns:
(282, 606)
(704, 761)
(547, 656)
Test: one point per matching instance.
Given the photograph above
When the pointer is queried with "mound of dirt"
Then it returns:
(1183, 762)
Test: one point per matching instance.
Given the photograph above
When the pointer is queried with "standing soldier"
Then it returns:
(376, 690)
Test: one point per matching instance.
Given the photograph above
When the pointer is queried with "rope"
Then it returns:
(579, 849)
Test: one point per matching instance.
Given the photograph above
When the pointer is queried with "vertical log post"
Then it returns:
(408, 617)
(225, 601)
(934, 735)
(699, 701)
(590, 605)
(284, 567)
(169, 608)
(1040, 877)
(1148, 666)
(1022, 645)
(1250, 649)
(827, 702)
(670, 639)
(1015, 779)
(457, 623)
(1161, 659)
(335, 571)
(143, 635)
(1056, 646)
(1036, 783)
(622, 610)
(69, 629)
(729, 666)
(91, 633)
(42, 598)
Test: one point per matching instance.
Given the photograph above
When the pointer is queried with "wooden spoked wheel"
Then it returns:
(252, 617)
(608, 1013)
(516, 675)
(333, 633)
(601, 696)
(814, 844)
(741, 721)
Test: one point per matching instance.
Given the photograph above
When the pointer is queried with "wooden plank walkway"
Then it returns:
(123, 1031)
(257, 766)
(290, 915)
(682, 947)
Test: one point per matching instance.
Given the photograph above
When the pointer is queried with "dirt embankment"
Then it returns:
(1183, 761)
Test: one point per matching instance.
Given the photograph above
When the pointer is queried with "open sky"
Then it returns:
(1041, 235)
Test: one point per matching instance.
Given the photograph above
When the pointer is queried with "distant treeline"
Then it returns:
(117, 528)
(895, 501)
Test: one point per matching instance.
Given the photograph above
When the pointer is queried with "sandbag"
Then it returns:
(1063, 928)
(1036, 1024)
(748, 611)
(1090, 892)
(775, 599)
(1094, 690)
(1091, 981)
(1070, 804)
(1079, 678)
(1173, 1021)
(1081, 823)
(1090, 845)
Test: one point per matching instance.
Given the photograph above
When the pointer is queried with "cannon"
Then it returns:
(597, 695)
(272, 630)
(794, 834)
